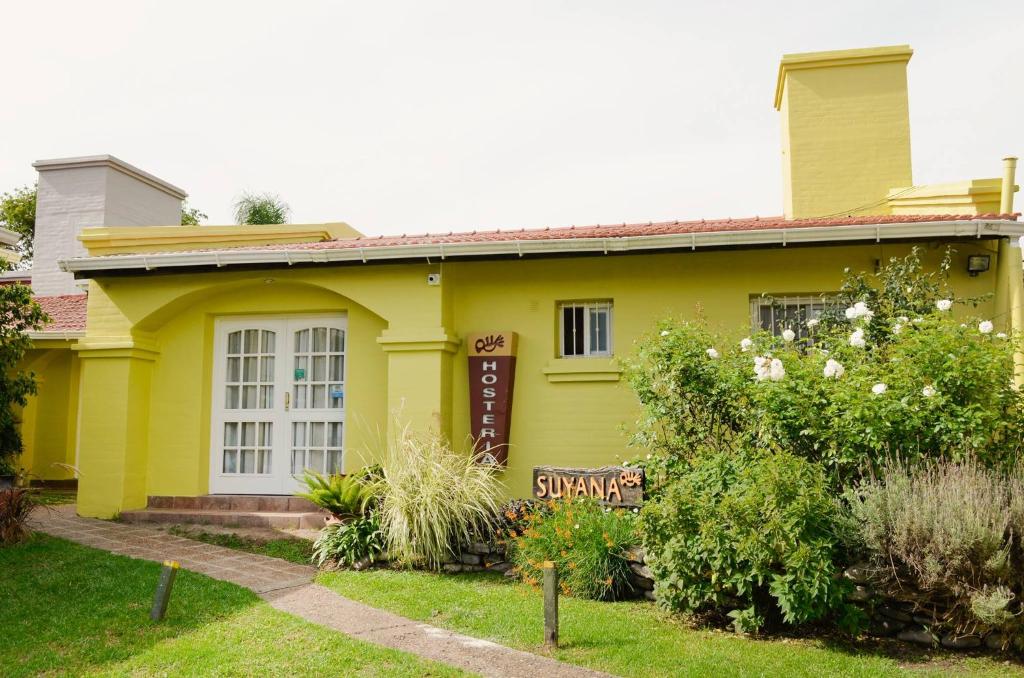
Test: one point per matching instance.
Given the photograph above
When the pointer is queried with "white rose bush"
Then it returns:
(865, 384)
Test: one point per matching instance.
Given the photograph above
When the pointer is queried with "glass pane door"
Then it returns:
(318, 397)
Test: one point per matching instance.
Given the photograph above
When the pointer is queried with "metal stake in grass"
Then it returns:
(550, 604)
(163, 590)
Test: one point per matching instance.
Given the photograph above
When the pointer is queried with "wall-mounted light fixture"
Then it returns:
(978, 263)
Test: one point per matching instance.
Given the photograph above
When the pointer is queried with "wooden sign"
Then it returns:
(492, 373)
(613, 485)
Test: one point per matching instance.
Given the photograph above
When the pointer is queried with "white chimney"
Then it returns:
(96, 190)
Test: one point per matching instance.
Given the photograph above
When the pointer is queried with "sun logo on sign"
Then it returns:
(489, 343)
(631, 478)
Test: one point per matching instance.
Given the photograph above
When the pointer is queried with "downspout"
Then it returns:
(1009, 185)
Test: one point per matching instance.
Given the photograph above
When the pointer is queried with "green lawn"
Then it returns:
(292, 549)
(634, 638)
(68, 610)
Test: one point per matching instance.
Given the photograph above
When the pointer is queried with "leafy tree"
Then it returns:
(19, 315)
(191, 216)
(261, 208)
(18, 214)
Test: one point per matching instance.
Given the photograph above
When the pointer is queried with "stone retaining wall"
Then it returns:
(481, 557)
(902, 620)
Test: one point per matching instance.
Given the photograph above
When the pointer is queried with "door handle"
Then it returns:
(287, 401)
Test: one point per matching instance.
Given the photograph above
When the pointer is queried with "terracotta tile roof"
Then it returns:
(618, 231)
(67, 312)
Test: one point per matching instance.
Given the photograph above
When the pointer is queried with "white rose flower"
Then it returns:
(762, 368)
(897, 328)
(851, 313)
(746, 344)
(664, 333)
(776, 371)
(833, 369)
(985, 327)
(943, 304)
(788, 335)
(903, 319)
(1001, 335)
(928, 391)
(857, 339)
(879, 389)
(813, 322)
(862, 310)
(712, 353)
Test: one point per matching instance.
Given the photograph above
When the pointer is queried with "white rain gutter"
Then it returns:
(976, 228)
(66, 335)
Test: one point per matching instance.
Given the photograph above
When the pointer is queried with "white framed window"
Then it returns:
(585, 329)
(775, 313)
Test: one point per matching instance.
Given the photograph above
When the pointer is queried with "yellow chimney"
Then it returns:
(845, 130)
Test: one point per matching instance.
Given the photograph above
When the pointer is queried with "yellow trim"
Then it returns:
(430, 340)
(582, 369)
(144, 239)
(973, 196)
(841, 57)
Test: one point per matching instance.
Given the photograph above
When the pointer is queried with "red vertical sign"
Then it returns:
(492, 373)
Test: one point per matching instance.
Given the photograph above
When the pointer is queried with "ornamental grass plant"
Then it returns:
(432, 499)
(16, 505)
(586, 541)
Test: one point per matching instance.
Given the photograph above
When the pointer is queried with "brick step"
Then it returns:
(249, 503)
(284, 520)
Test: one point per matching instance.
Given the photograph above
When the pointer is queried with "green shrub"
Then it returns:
(343, 496)
(947, 538)
(16, 505)
(358, 540)
(754, 529)
(432, 499)
(586, 541)
(888, 372)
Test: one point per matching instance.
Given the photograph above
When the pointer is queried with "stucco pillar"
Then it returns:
(419, 378)
(113, 437)
(1009, 301)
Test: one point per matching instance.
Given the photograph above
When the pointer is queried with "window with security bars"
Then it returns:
(778, 313)
(586, 329)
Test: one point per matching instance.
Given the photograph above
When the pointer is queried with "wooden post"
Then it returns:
(163, 590)
(550, 604)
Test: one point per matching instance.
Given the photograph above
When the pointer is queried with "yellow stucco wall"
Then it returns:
(49, 419)
(586, 423)
(146, 361)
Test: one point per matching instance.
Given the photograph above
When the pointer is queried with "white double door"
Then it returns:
(278, 403)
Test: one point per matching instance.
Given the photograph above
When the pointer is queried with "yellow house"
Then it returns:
(222, 360)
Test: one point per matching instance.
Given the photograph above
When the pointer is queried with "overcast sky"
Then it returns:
(412, 116)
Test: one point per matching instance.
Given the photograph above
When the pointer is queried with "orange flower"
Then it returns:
(572, 566)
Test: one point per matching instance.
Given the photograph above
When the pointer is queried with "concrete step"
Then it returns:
(282, 520)
(248, 503)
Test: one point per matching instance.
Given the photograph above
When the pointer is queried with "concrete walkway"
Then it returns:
(288, 587)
